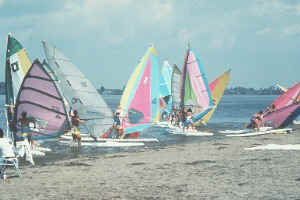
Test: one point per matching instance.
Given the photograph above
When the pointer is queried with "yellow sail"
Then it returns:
(217, 88)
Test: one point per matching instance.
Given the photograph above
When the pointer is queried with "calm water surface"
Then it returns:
(233, 112)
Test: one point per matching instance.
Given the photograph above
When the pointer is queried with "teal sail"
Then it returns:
(165, 87)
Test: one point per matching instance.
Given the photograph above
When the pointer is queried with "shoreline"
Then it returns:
(212, 169)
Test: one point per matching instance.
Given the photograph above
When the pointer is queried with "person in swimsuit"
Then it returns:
(189, 120)
(117, 123)
(26, 132)
(75, 128)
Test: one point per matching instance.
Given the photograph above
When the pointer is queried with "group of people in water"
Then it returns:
(180, 118)
(26, 123)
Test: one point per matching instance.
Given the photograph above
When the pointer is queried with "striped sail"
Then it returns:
(40, 99)
(165, 86)
(217, 88)
(16, 67)
(79, 93)
(140, 99)
(195, 91)
(175, 87)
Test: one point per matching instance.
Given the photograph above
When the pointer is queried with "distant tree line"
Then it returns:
(272, 90)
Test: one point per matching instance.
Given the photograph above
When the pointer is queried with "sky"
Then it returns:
(258, 39)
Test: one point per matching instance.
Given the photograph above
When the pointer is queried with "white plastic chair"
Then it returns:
(8, 157)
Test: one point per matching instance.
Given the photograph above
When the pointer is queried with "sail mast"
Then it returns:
(8, 82)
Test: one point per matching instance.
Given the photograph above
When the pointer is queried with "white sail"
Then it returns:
(79, 92)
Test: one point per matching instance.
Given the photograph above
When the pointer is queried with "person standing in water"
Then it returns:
(26, 132)
(189, 120)
(75, 128)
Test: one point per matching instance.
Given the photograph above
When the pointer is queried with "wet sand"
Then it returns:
(216, 169)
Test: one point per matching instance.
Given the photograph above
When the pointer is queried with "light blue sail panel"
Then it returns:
(165, 79)
(165, 85)
(155, 86)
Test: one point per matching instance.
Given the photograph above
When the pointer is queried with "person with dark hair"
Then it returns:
(26, 132)
(117, 123)
(75, 128)
(189, 120)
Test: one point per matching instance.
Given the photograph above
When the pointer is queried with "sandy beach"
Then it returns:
(215, 169)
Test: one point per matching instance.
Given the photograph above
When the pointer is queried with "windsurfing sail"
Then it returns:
(165, 86)
(217, 88)
(194, 91)
(140, 99)
(288, 97)
(79, 92)
(175, 87)
(41, 100)
(286, 108)
(16, 67)
(283, 116)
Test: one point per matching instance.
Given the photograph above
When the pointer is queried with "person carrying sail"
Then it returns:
(75, 127)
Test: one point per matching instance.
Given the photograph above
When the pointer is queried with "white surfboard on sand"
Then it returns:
(106, 144)
(90, 139)
(284, 130)
(276, 147)
(162, 124)
(244, 130)
(179, 131)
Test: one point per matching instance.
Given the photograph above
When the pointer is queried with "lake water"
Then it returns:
(233, 112)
